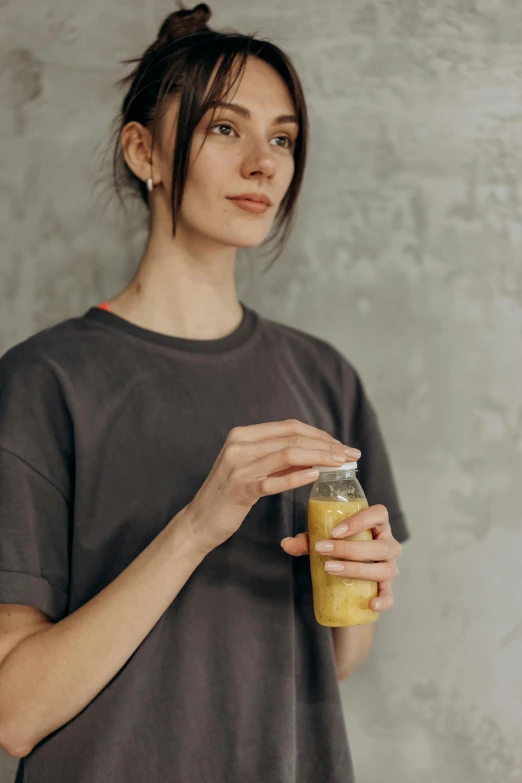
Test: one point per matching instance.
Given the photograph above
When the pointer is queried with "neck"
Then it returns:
(183, 289)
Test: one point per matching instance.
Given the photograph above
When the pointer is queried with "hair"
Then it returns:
(180, 63)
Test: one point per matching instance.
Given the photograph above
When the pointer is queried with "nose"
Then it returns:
(259, 161)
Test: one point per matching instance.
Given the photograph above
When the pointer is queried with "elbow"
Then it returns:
(343, 674)
(15, 750)
(349, 668)
(352, 645)
(18, 754)
(352, 663)
(13, 746)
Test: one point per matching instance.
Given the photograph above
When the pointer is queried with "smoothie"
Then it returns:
(337, 601)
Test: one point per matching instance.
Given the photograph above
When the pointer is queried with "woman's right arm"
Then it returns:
(53, 674)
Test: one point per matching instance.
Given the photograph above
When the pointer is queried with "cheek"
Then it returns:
(287, 173)
(211, 169)
(201, 192)
(208, 181)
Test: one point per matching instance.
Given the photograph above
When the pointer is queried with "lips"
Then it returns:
(258, 197)
(249, 205)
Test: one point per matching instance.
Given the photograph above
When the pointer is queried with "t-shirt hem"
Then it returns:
(30, 590)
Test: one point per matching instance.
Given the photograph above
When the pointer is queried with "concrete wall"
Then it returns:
(406, 256)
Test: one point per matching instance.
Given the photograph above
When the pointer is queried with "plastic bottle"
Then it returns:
(338, 601)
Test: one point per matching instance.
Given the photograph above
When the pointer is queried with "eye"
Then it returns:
(288, 143)
(222, 125)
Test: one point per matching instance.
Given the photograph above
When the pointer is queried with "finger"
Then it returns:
(277, 429)
(258, 449)
(261, 470)
(374, 518)
(375, 572)
(283, 470)
(385, 599)
(363, 551)
(296, 545)
(291, 479)
(279, 457)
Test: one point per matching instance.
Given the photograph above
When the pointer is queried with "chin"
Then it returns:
(245, 238)
(253, 243)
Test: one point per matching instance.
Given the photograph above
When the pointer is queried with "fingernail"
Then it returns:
(334, 568)
(340, 530)
(376, 605)
(339, 457)
(349, 450)
(289, 538)
(324, 546)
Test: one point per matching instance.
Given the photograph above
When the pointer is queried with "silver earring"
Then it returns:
(150, 185)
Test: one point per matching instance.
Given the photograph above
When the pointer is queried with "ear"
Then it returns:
(136, 145)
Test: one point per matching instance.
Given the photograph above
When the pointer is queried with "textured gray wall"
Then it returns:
(406, 256)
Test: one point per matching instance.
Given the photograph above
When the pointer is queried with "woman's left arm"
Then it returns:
(375, 560)
(352, 645)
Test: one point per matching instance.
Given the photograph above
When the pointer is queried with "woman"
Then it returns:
(157, 620)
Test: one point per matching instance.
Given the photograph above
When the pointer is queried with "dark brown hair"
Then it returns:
(181, 62)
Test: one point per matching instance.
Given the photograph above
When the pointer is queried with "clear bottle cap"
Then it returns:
(330, 469)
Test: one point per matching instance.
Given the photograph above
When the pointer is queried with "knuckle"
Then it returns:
(289, 455)
(263, 487)
(293, 440)
(232, 453)
(234, 434)
(237, 478)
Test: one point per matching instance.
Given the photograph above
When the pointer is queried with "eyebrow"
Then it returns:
(243, 112)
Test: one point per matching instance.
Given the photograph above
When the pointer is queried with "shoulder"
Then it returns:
(36, 400)
(316, 351)
(46, 357)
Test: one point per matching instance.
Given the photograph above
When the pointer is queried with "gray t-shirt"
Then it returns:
(107, 430)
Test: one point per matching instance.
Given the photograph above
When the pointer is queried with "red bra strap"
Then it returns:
(105, 306)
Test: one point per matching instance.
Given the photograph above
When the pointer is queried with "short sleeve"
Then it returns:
(375, 471)
(35, 485)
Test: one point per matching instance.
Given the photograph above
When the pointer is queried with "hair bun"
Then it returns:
(202, 12)
(184, 22)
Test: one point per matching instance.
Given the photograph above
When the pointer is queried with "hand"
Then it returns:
(257, 460)
(375, 560)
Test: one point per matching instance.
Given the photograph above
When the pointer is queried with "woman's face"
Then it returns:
(247, 150)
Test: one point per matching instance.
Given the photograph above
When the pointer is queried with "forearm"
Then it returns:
(55, 673)
(352, 645)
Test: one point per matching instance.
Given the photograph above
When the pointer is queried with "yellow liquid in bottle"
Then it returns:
(338, 601)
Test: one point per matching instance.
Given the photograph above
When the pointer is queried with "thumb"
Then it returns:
(296, 545)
